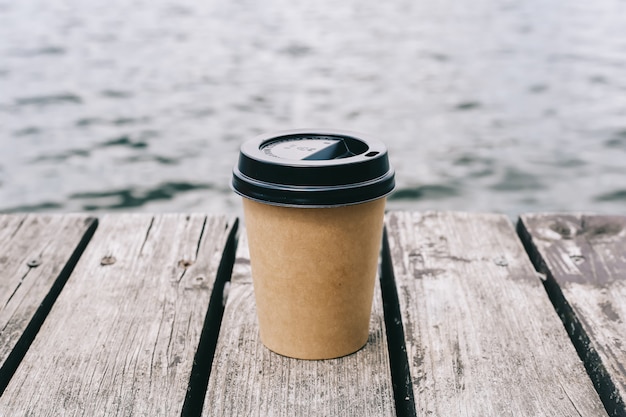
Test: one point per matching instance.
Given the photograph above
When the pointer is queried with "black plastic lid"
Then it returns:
(313, 168)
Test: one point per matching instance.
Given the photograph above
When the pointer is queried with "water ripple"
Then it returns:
(27, 131)
(135, 197)
(517, 180)
(619, 195)
(44, 50)
(125, 141)
(618, 141)
(45, 206)
(468, 105)
(47, 100)
(63, 156)
(425, 192)
(116, 94)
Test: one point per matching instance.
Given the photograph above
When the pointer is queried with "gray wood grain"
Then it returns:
(584, 258)
(36, 252)
(121, 338)
(482, 337)
(249, 380)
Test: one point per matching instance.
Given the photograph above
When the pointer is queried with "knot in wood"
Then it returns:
(566, 231)
(108, 260)
(184, 263)
(34, 263)
(501, 261)
(577, 258)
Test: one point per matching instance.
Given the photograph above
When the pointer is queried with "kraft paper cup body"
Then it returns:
(314, 205)
(314, 271)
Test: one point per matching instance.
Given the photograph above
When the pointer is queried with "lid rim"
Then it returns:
(313, 196)
(312, 206)
(276, 179)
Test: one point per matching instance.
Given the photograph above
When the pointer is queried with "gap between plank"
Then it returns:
(203, 359)
(30, 332)
(602, 382)
(200, 239)
(19, 226)
(147, 235)
(398, 360)
(17, 288)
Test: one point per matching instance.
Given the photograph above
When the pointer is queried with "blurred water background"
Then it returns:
(485, 105)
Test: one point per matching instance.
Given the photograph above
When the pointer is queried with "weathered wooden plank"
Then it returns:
(37, 254)
(249, 380)
(121, 338)
(482, 338)
(584, 259)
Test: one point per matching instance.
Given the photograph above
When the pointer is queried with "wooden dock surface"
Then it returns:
(154, 315)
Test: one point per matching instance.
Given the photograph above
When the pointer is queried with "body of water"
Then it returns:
(489, 105)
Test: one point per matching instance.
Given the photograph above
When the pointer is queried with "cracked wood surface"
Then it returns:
(249, 380)
(36, 253)
(584, 258)
(120, 339)
(482, 338)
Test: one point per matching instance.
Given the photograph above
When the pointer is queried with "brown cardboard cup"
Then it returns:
(314, 272)
(313, 204)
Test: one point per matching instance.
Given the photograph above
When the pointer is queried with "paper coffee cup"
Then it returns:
(314, 204)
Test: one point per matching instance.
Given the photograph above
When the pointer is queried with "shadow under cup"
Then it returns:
(314, 204)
